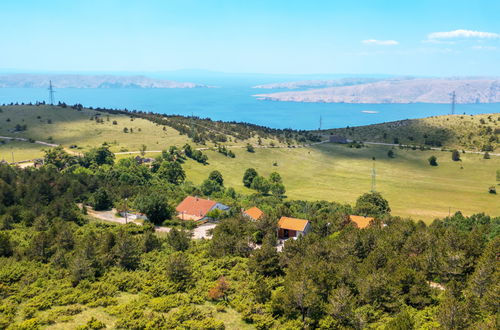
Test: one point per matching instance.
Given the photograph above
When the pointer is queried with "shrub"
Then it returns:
(433, 161)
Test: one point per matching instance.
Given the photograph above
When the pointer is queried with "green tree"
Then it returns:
(217, 177)
(155, 206)
(265, 261)
(433, 161)
(248, 177)
(390, 153)
(171, 172)
(143, 149)
(275, 177)
(278, 189)
(101, 200)
(179, 269)
(208, 187)
(372, 204)
(99, 156)
(179, 240)
(250, 148)
(261, 184)
(58, 157)
(5, 245)
(126, 250)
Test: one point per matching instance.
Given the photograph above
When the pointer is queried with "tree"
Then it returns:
(101, 200)
(433, 161)
(265, 261)
(219, 291)
(261, 185)
(99, 156)
(455, 155)
(275, 177)
(58, 157)
(208, 187)
(372, 204)
(250, 148)
(171, 172)
(155, 207)
(390, 153)
(486, 155)
(248, 177)
(278, 189)
(143, 149)
(217, 177)
(179, 269)
(179, 240)
(126, 250)
(5, 245)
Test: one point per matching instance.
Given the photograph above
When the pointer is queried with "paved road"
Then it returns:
(110, 215)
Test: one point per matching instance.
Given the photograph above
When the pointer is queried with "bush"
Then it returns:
(433, 161)
(455, 155)
(492, 190)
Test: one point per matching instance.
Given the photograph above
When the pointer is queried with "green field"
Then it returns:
(323, 172)
(338, 173)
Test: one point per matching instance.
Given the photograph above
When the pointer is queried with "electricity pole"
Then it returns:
(51, 92)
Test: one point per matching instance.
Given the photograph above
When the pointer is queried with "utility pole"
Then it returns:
(51, 92)
(320, 122)
(453, 101)
(374, 176)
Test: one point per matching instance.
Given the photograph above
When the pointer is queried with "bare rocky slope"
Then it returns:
(89, 81)
(399, 91)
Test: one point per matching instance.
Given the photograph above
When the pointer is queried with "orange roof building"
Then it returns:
(292, 227)
(195, 208)
(254, 213)
(360, 221)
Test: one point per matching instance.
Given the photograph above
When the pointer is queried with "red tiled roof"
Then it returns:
(360, 221)
(254, 213)
(194, 208)
(292, 223)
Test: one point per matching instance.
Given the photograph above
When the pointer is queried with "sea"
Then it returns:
(233, 100)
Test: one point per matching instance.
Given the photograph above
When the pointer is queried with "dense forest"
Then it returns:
(57, 262)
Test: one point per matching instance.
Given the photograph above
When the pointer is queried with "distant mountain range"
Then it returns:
(417, 90)
(89, 81)
(320, 83)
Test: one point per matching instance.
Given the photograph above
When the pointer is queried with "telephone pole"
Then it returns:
(320, 122)
(51, 92)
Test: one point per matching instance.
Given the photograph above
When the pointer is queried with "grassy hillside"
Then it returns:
(323, 172)
(69, 127)
(339, 173)
(478, 132)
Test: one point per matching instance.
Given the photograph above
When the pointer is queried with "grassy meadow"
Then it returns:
(339, 173)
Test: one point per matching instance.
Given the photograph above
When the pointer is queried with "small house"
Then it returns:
(292, 227)
(254, 213)
(360, 221)
(195, 208)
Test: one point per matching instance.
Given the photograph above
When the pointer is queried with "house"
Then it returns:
(195, 208)
(254, 213)
(360, 221)
(292, 227)
(337, 139)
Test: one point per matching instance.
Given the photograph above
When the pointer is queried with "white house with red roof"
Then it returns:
(195, 208)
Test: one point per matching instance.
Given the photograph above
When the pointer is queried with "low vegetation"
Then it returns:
(59, 268)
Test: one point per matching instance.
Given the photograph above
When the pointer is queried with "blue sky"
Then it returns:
(452, 38)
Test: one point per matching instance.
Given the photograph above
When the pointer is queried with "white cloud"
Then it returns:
(463, 34)
(484, 47)
(380, 42)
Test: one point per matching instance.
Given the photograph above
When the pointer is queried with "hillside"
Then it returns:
(89, 81)
(318, 83)
(478, 132)
(399, 91)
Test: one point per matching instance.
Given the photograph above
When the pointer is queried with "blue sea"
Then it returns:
(234, 102)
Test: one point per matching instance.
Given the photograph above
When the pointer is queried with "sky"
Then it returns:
(424, 37)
